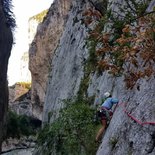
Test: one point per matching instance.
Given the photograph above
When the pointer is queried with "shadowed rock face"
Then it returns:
(6, 40)
(43, 47)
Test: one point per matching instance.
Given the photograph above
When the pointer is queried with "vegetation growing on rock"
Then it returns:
(39, 17)
(127, 46)
(109, 51)
(72, 133)
(20, 125)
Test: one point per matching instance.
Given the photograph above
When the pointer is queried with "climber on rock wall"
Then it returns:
(105, 113)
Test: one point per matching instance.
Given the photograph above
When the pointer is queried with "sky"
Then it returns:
(23, 10)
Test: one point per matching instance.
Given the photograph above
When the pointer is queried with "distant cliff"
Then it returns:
(43, 47)
(25, 75)
(33, 23)
(61, 58)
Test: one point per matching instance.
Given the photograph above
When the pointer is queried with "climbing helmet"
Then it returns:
(107, 94)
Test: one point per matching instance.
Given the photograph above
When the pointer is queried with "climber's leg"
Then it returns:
(101, 130)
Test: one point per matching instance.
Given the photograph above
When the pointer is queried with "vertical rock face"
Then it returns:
(134, 133)
(44, 45)
(68, 61)
(123, 136)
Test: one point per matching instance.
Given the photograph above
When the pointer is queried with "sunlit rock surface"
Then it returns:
(25, 75)
(33, 23)
(43, 47)
(20, 102)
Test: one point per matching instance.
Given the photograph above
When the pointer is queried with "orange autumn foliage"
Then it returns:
(132, 54)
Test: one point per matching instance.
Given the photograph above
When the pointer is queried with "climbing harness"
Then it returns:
(104, 114)
(108, 113)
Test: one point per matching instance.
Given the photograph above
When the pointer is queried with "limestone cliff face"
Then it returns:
(67, 63)
(69, 59)
(123, 136)
(43, 46)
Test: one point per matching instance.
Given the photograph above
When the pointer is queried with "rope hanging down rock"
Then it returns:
(133, 118)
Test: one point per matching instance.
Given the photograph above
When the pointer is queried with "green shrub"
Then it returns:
(72, 133)
(12, 125)
(19, 125)
(113, 141)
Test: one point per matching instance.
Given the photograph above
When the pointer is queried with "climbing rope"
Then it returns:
(133, 118)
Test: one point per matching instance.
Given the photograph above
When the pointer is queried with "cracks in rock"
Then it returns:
(151, 148)
(153, 138)
(131, 144)
(99, 6)
(130, 150)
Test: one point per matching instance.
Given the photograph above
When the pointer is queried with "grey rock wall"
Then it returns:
(68, 61)
(129, 136)
(123, 136)
(43, 47)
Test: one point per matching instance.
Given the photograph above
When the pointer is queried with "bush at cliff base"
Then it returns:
(72, 133)
(19, 125)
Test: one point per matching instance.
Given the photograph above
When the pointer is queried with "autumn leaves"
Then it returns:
(128, 51)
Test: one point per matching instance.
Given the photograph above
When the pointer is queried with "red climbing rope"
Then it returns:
(133, 118)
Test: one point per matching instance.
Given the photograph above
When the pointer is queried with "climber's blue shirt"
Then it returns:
(109, 102)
